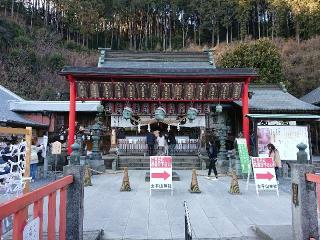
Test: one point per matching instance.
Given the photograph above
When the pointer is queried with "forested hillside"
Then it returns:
(38, 37)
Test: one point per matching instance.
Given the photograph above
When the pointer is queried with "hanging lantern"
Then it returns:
(192, 113)
(168, 128)
(127, 113)
(219, 108)
(159, 114)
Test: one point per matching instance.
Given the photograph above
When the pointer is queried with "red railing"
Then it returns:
(315, 179)
(19, 209)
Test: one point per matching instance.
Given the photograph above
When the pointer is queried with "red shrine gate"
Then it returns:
(154, 86)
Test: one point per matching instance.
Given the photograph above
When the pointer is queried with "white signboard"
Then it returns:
(284, 138)
(160, 172)
(264, 174)
(56, 148)
(32, 230)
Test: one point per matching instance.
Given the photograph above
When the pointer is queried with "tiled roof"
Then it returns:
(139, 59)
(52, 106)
(273, 99)
(8, 116)
(312, 97)
(206, 72)
(136, 63)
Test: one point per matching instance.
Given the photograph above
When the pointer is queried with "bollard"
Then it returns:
(75, 197)
(234, 187)
(194, 187)
(125, 187)
(87, 176)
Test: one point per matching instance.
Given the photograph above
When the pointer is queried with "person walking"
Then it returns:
(172, 144)
(150, 142)
(161, 143)
(274, 153)
(212, 153)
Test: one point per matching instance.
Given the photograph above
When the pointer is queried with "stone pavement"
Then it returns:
(214, 214)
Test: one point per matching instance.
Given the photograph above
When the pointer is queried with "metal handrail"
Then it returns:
(188, 232)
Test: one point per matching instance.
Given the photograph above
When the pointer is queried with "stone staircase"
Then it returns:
(143, 163)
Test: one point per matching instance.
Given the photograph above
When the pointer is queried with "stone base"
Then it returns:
(175, 176)
(97, 165)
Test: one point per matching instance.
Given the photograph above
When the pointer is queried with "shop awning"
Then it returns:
(293, 117)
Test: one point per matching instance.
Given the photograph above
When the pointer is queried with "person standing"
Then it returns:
(212, 153)
(172, 144)
(161, 143)
(34, 158)
(274, 153)
(150, 142)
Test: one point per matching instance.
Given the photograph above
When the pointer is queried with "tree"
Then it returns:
(261, 54)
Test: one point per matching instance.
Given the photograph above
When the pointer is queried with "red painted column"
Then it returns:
(245, 111)
(72, 112)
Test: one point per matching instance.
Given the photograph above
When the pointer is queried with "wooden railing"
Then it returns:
(19, 209)
(140, 147)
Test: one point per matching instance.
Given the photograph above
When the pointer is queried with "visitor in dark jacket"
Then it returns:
(212, 153)
(150, 142)
(172, 142)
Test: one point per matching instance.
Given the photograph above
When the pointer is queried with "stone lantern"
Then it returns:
(96, 161)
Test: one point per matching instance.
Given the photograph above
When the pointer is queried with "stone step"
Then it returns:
(148, 166)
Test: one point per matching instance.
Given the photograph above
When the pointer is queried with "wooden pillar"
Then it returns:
(245, 111)
(72, 112)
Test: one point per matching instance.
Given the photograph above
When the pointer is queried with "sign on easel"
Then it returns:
(264, 174)
(160, 173)
(243, 154)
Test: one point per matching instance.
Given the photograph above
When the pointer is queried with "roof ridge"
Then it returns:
(6, 90)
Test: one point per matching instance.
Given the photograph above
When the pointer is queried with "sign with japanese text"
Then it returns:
(32, 230)
(56, 147)
(243, 154)
(264, 174)
(160, 172)
(284, 138)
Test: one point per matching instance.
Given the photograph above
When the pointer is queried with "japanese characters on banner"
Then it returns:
(160, 172)
(284, 138)
(264, 174)
(243, 154)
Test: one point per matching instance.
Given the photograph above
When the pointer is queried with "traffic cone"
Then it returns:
(125, 182)
(194, 188)
(234, 188)
(87, 176)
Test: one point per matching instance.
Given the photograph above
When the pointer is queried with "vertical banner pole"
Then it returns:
(28, 158)
(245, 111)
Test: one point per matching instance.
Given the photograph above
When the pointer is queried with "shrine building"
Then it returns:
(174, 84)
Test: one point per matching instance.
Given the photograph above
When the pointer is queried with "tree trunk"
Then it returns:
(212, 36)
(218, 35)
(227, 35)
(183, 37)
(12, 8)
(297, 31)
